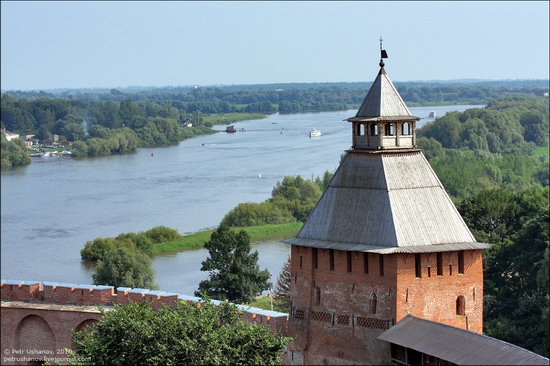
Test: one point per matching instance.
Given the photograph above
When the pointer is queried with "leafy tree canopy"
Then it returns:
(123, 267)
(13, 152)
(234, 272)
(503, 126)
(516, 267)
(184, 334)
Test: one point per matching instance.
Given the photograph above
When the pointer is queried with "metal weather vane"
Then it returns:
(383, 54)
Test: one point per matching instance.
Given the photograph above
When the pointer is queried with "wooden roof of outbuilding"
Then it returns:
(457, 345)
(386, 202)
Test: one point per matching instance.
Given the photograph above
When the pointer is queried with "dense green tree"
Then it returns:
(446, 130)
(129, 113)
(150, 136)
(432, 148)
(162, 234)
(80, 149)
(298, 195)
(45, 119)
(234, 273)
(142, 241)
(43, 135)
(504, 125)
(124, 267)
(106, 114)
(257, 214)
(536, 127)
(324, 182)
(465, 172)
(182, 334)
(14, 152)
(97, 248)
(282, 288)
(516, 267)
(17, 120)
(73, 131)
(99, 131)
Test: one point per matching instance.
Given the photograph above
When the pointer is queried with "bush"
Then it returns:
(162, 234)
(123, 267)
(143, 242)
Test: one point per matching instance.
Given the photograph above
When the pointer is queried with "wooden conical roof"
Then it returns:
(383, 102)
(385, 201)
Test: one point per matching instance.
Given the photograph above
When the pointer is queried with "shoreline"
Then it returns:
(256, 233)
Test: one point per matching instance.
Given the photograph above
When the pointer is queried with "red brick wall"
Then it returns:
(39, 331)
(41, 316)
(339, 326)
(332, 310)
(434, 298)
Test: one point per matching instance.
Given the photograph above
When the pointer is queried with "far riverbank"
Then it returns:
(256, 233)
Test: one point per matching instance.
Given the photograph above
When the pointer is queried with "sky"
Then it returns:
(108, 44)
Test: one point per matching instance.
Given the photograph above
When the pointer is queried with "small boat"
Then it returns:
(432, 114)
(314, 133)
(230, 129)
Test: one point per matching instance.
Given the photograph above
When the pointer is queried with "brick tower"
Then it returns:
(384, 241)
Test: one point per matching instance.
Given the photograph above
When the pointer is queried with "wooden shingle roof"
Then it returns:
(383, 102)
(386, 202)
(458, 346)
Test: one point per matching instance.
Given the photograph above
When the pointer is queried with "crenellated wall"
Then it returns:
(38, 317)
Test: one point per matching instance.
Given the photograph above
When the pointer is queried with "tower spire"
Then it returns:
(383, 54)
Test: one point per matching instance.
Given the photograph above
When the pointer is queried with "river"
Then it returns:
(50, 208)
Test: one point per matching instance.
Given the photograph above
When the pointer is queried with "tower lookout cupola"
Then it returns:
(383, 121)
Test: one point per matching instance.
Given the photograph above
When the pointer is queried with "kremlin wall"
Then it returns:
(39, 317)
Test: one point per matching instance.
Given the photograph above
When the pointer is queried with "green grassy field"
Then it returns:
(228, 118)
(257, 233)
(265, 303)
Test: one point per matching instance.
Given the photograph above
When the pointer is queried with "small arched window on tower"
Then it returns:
(406, 129)
(389, 129)
(317, 295)
(373, 303)
(460, 306)
(374, 129)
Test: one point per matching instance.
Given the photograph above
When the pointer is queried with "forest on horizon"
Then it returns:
(102, 122)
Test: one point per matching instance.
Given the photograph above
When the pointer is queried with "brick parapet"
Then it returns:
(86, 295)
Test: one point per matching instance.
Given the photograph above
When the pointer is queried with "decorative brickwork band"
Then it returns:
(373, 323)
(321, 316)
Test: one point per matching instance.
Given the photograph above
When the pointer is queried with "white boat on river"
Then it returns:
(314, 133)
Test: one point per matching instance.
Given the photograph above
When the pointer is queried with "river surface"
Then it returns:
(52, 207)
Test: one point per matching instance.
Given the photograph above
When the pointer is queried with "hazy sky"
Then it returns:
(46, 45)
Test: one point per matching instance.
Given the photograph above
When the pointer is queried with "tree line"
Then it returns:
(447, 92)
(153, 117)
(491, 147)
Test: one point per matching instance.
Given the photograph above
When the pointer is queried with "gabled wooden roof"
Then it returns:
(386, 202)
(383, 102)
(458, 346)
